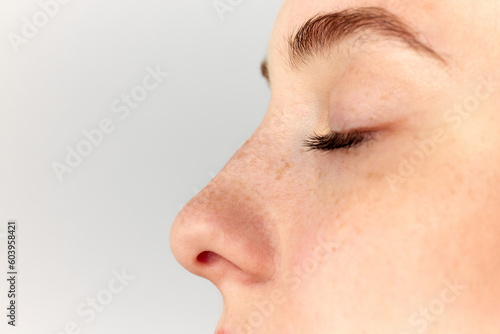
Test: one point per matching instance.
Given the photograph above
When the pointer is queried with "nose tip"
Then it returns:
(222, 235)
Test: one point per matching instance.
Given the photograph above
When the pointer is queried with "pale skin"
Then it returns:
(346, 241)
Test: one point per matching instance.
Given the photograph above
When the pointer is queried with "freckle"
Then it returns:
(282, 170)
(241, 155)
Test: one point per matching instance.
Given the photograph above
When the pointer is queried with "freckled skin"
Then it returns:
(347, 249)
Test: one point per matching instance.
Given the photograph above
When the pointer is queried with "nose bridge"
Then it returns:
(241, 182)
(225, 231)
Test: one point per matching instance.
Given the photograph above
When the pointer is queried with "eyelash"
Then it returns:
(337, 141)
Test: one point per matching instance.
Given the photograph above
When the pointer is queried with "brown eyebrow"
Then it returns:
(319, 33)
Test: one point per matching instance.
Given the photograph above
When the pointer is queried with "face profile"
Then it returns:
(367, 200)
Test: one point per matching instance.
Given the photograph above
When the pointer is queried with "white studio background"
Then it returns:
(113, 211)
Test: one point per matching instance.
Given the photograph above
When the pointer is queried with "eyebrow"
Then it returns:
(321, 32)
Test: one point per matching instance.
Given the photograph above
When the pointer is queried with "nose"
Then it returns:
(225, 233)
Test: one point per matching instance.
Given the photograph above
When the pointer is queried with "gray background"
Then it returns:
(115, 210)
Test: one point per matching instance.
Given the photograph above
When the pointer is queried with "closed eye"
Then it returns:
(336, 141)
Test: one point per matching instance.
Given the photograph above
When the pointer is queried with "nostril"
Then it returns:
(206, 257)
(213, 266)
